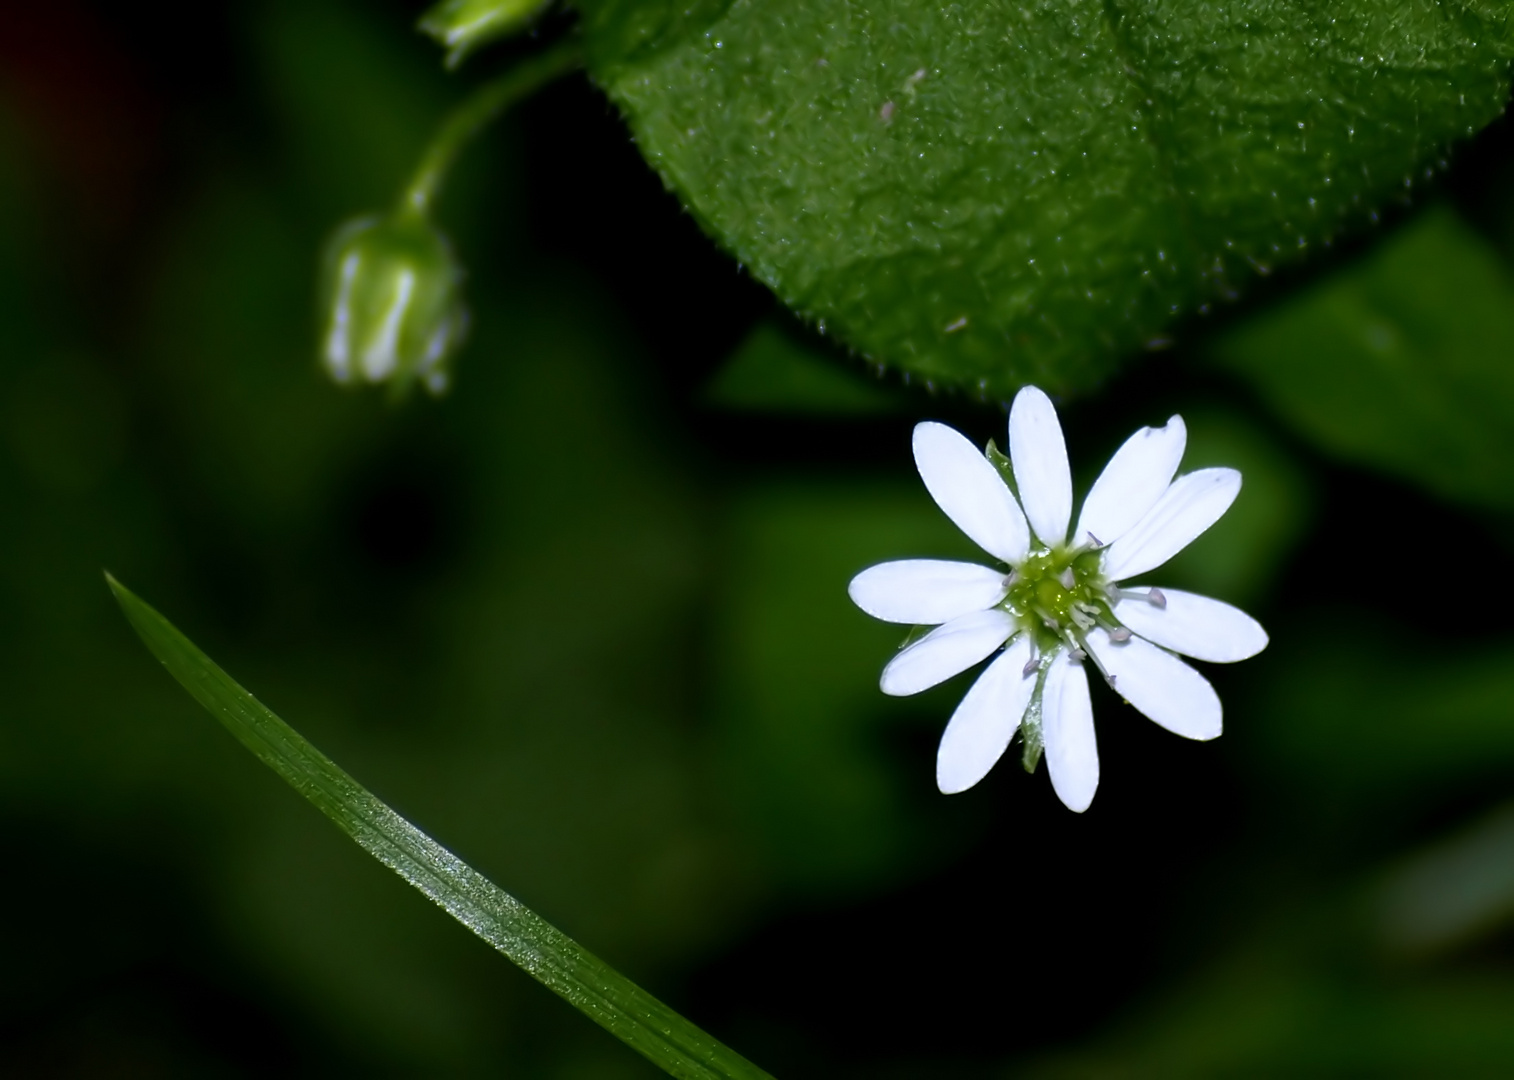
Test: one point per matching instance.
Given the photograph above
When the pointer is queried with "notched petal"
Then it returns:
(1131, 483)
(1072, 752)
(1196, 626)
(1160, 685)
(1039, 455)
(969, 490)
(924, 592)
(984, 723)
(1190, 505)
(948, 649)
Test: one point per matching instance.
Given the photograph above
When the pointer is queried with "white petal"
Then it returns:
(925, 591)
(1132, 482)
(1160, 685)
(986, 720)
(1039, 457)
(1195, 626)
(1192, 504)
(946, 650)
(967, 486)
(1072, 754)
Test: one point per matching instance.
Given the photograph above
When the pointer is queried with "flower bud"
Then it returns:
(393, 303)
(464, 25)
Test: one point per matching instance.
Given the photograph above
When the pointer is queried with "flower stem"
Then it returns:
(478, 111)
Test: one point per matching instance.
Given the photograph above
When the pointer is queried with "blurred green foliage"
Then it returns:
(585, 621)
(779, 369)
(1401, 361)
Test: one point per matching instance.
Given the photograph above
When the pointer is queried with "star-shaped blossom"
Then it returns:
(1056, 603)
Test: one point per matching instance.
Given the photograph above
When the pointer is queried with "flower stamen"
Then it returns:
(1075, 646)
(1155, 597)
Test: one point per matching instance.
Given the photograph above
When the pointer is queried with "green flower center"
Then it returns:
(1058, 594)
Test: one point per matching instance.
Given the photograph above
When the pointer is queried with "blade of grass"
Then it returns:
(544, 952)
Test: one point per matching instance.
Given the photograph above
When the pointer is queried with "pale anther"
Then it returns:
(1156, 598)
(1030, 668)
(1119, 634)
(1068, 579)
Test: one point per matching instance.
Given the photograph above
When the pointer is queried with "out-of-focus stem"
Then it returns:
(477, 112)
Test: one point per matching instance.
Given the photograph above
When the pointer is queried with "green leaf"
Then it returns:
(1363, 714)
(1403, 361)
(1454, 892)
(544, 952)
(622, 32)
(794, 693)
(775, 370)
(1001, 192)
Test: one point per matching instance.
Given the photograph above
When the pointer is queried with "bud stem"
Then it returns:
(478, 111)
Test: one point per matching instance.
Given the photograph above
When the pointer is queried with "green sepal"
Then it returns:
(1030, 737)
(914, 635)
(464, 26)
(1030, 723)
(1000, 460)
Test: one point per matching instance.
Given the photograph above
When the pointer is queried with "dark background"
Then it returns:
(584, 621)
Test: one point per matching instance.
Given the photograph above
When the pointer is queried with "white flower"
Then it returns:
(1055, 602)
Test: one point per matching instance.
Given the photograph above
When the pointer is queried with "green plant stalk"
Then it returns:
(544, 952)
(477, 112)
